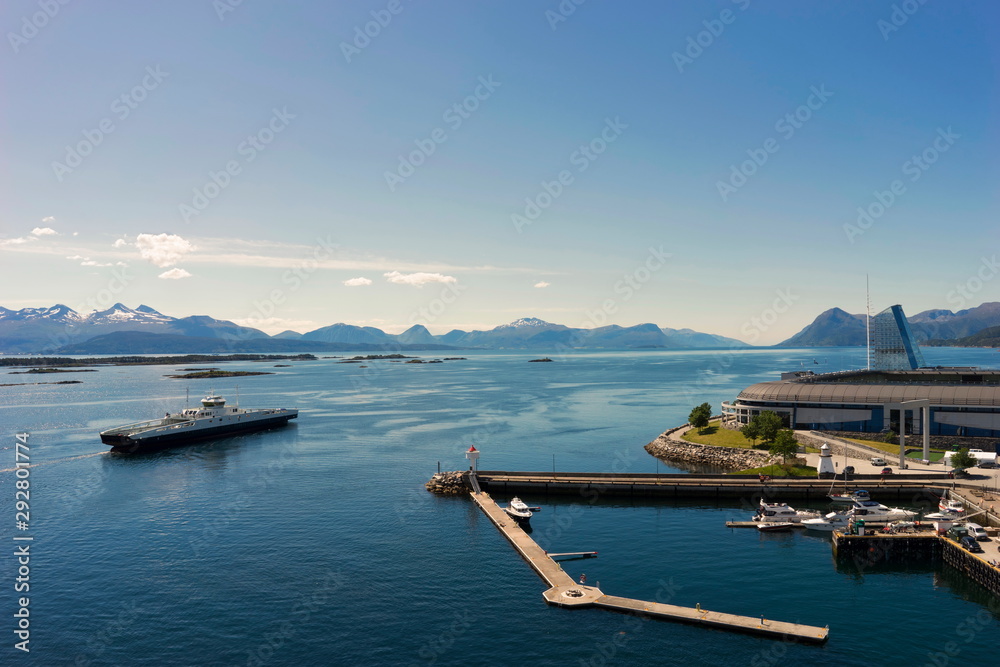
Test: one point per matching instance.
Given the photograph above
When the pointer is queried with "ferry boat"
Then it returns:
(212, 420)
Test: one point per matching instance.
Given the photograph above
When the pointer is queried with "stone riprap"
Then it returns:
(448, 483)
(669, 447)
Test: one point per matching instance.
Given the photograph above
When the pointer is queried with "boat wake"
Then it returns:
(63, 460)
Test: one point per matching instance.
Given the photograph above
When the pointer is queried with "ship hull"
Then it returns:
(124, 444)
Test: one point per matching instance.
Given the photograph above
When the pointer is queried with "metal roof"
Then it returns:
(842, 392)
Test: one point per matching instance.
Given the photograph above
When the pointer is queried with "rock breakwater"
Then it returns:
(669, 448)
(448, 483)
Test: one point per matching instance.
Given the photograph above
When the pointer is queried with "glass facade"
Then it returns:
(893, 347)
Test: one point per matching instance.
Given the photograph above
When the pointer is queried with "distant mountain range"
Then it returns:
(836, 327)
(144, 330)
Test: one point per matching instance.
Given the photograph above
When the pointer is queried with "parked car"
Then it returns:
(848, 470)
(969, 544)
(988, 464)
(877, 461)
(956, 533)
(977, 531)
(887, 471)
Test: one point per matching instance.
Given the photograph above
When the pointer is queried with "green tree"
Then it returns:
(700, 415)
(785, 444)
(891, 437)
(963, 459)
(768, 425)
(751, 432)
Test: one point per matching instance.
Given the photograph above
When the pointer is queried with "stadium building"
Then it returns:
(897, 385)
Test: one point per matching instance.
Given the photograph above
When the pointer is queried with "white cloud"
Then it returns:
(541, 284)
(48, 219)
(77, 257)
(174, 274)
(43, 231)
(358, 282)
(90, 262)
(119, 243)
(17, 241)
(417, 279)
(163, 249)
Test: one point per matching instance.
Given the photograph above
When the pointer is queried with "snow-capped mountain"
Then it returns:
(47, 329)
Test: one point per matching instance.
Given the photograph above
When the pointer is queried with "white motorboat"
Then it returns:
(827, 524)
(518, 509)
(949, 506)
(871, 510)
(775, 527)
(781, 513)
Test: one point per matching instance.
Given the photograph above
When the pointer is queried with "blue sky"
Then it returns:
(246, 161)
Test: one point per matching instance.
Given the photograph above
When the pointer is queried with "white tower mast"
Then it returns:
(868, 330)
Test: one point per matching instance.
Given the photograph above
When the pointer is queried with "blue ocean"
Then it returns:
(317, 544)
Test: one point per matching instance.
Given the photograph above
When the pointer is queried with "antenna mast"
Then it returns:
(868, 318)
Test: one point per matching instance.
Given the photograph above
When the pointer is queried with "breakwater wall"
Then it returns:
(915, 490)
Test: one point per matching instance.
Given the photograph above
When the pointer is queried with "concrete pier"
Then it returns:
(910, 489)
(565, 592)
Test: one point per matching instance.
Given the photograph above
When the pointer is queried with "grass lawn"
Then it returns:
(919, 455)
(893, 449)
(714, 434)
(780, 470)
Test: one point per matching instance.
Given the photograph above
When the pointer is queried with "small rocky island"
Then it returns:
(535, 361)
(198, 375)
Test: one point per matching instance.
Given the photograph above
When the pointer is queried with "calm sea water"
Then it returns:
(317, 544)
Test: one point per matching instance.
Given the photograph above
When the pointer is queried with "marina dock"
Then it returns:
(565, 592)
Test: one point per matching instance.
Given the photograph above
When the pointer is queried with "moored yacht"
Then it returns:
(827, 524)
(212, 420)
(874, 511)
(781, 513)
